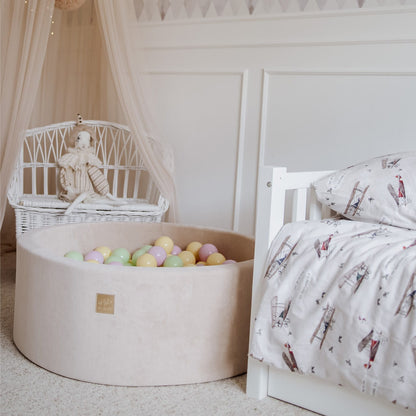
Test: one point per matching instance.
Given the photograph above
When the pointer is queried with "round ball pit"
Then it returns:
(132, 326)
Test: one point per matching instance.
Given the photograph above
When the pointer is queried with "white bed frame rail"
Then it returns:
(275, 207)
(271, 213)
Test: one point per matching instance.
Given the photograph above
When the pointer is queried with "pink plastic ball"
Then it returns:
(206, 250)
(158, 253)
(176, 250)
(229, 261)
(94, 255)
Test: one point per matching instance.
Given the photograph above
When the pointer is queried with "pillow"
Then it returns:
(380, 190)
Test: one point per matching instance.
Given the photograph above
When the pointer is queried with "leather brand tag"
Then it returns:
(105, 303)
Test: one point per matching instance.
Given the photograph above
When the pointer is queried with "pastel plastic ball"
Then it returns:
(166, 243)
(187, 257)
(74, 255)
(105, 251)
(146, 260)
(93, 261)
(176, 250)
(94, 255)
(206, 250)
(158, 253)
(123, 253)
(215, 259)
(115, 263)
(201, 263)
(229, 261)
(113, 259)
(173, 261)
(194, 248)
(139, 253)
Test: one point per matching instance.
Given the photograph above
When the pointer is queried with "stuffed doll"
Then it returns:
(79, 176)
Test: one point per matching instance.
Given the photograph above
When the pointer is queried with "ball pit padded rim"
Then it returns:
(41, 251)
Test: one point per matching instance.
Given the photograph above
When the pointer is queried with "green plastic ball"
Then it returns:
(139, 253)
(122, 253)
(114, 258)
(173, 261)
(74, 255)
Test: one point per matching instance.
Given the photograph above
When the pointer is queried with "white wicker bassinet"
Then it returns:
(34, 188)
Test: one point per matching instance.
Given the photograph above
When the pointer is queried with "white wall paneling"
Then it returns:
(209, 128)
(277, 88)
(324, 119)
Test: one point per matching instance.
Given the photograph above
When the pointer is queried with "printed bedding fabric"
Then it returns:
(338, 302)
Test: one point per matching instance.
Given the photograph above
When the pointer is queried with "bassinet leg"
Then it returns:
(257, 379)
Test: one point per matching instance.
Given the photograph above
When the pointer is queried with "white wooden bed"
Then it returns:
(285, 197)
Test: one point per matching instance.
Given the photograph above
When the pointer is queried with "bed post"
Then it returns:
(257, 379)
(270, 197)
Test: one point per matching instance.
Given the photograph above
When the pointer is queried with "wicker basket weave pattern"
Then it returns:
(34, 188)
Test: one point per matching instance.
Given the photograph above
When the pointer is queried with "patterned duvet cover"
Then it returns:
(338, 302)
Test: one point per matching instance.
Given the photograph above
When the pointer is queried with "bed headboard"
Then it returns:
(286, 197)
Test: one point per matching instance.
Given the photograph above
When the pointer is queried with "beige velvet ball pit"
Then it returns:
(132, 326)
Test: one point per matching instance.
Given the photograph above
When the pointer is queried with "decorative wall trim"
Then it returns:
(243, 74)
(352, 72)
(276, 44)
(296, 30)
(240, 144)
(268, 73)
(173, 10)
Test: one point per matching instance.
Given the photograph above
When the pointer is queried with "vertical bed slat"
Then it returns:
(314, 207)
(325, 211)
(277, 203)
(299, 204)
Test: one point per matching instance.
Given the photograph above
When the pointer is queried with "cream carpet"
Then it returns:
(27, 389)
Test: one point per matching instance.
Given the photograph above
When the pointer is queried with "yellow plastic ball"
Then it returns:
(194, 248)
(187, 257)
(105, 251)
(93, 261)
(146, 260)
(165, 242)
(201, 263)
(215, 259)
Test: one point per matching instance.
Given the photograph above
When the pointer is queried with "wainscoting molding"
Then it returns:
(266, 112)
(238, 170)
